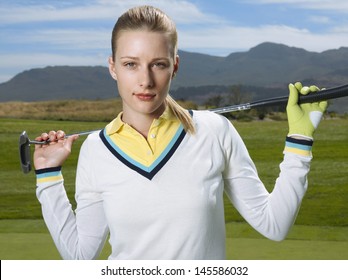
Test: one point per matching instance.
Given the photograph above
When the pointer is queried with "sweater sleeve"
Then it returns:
(79, 235)
(271, 214)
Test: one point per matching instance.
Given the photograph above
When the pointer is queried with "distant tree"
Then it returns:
(214, 101)
(261, 113)
(236, 96)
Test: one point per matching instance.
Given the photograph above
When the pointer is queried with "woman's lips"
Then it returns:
(145, 96)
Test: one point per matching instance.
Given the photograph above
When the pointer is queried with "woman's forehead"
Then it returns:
(132, 43)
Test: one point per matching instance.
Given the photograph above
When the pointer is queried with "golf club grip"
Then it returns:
(325, 94)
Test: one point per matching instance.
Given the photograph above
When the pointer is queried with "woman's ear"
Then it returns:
(112, 68)
(176, 66)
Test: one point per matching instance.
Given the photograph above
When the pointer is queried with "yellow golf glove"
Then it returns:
(304, 118)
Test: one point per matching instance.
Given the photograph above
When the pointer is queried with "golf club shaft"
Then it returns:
(66, 136)
(326, 94)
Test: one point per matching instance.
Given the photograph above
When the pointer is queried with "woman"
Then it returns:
(155, 176)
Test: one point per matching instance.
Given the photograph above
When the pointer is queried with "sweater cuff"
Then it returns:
(298, 146)
(47, 175)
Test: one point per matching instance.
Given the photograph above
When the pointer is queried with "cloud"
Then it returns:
(74, 27)
(242, 38)
(47, 13)
(44, 59)
(336, 5)
(342, 29)
(319, 19)
(67, 39)
(183, 12)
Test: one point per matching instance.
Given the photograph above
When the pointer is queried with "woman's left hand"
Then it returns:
(304, 118)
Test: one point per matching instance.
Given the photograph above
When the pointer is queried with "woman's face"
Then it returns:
(143, 67)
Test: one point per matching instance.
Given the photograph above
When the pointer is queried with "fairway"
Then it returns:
(256, 249)
(242, 243)
(320, 231)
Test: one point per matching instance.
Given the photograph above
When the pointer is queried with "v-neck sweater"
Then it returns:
(178, 211)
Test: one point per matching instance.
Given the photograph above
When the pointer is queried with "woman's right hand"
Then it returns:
(55, 152)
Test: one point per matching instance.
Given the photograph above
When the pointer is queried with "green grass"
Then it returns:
(29, 239)
(262, 249)
(320, 231)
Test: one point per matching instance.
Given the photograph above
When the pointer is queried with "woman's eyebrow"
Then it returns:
(129, 57)
(137, 58)
(161, 58)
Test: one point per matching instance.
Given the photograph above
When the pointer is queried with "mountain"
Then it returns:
(59, 82)
(267, 65)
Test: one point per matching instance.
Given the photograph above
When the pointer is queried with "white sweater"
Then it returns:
(179, 212)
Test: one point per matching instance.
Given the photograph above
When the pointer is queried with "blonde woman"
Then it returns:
(154, 177)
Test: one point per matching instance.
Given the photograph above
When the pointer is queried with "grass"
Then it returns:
(262, 249)
(320, 231)
(78, 110)
(29, 239)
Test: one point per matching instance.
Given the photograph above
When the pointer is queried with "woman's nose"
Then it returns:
(146, 78)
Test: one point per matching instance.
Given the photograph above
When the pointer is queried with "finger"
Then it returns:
(323, 105)
(60, 134)
(293, 95)
(314, 88)
(305, 90)
(52, 136)
(39, 139)
(70, 140)
(44, 136)
(298, 86)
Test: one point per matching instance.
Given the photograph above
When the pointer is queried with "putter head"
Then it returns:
(24, 152)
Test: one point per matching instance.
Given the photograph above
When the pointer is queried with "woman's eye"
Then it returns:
(160, 65)
(129, 64)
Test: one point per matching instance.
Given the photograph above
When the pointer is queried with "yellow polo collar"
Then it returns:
(145, 153)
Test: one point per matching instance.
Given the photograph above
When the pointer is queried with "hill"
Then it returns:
(59, 82)
(267, 64)
(264, 67)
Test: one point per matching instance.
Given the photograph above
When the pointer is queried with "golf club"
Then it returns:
(24, 148)
(326, 94)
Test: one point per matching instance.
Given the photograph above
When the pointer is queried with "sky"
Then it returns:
(40, 33)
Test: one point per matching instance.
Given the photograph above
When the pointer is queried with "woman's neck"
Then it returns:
(141, 122)
(142, 125)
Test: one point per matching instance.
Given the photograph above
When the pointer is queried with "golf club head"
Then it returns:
(24, 152)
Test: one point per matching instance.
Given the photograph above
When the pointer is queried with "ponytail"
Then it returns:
(182, 114)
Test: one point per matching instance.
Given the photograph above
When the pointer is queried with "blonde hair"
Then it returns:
(153, 19)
